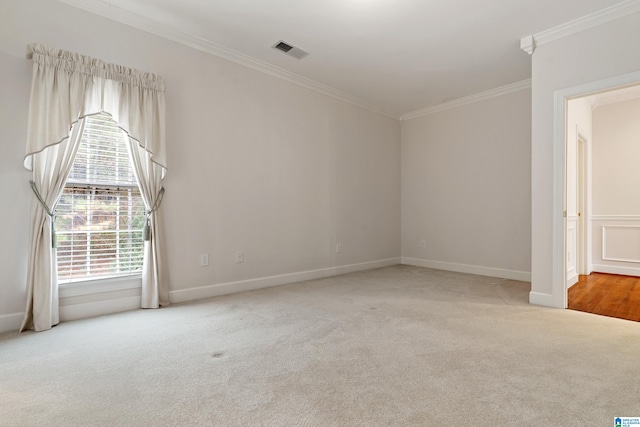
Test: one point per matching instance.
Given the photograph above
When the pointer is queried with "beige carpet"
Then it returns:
(398, 346)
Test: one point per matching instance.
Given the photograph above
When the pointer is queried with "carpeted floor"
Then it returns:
(398, 346)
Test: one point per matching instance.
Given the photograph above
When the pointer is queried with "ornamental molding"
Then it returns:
(617, 11)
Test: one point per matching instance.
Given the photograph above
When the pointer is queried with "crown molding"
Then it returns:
(493, 93)
(617, 11)
(528, 44)
(106, 10)
(614, 97)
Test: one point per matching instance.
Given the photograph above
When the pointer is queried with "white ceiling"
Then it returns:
(397, 55)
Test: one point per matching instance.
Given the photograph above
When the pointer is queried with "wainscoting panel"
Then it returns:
(616, 244)
(621, 243)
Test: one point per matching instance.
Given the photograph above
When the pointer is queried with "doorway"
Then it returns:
(559, 282)
(602, 236)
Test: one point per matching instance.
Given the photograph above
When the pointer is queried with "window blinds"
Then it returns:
(100, 215)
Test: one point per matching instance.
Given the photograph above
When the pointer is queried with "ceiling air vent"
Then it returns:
(290, 50)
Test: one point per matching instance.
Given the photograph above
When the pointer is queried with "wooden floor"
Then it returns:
(608, 295)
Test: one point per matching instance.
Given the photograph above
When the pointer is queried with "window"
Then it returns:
(100, 215)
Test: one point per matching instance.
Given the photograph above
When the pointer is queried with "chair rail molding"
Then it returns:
(615, 218)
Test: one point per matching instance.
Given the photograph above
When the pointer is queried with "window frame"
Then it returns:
(105, 282)
(100, 285)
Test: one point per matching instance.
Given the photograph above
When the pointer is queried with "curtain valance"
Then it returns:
(68, 86)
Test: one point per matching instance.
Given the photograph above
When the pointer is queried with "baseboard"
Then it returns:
(538, 298)
(11, 322)
(182, 295)
(609, 269)
(98, 308)
(470, 269)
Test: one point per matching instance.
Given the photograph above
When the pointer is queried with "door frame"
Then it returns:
(559, 198)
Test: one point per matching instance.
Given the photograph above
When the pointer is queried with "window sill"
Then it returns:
(99, 286)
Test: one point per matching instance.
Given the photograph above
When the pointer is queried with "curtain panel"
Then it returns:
(51, 168)
(66, 87)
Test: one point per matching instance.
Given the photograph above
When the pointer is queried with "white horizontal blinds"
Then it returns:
(100, 216)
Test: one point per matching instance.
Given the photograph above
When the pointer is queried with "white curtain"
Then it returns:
(155, 292)
(51, 168)
(67, 87)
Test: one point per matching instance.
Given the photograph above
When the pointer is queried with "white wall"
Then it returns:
(616, 159)
(466, 188)
(616, 193)
(14, 183)
(599, 53)
(579, 118)
(255, 163)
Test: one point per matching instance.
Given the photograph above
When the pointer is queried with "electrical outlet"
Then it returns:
(240, 256)
(423, 243)
(338, 248)
(204, 260)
